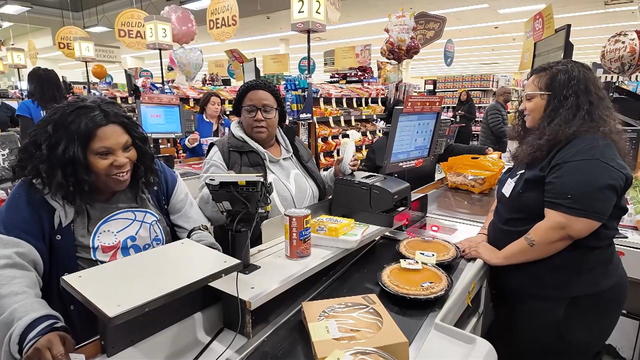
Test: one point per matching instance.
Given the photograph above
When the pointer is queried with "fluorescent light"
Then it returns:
(464, 8)
(68, 63)
(626, 8)
(485, 24)
(591, 37)
(521, 9)
(98, 29)
(605, 25)
(6, 24)
(49, 54)
(197, 5)
(13, 9)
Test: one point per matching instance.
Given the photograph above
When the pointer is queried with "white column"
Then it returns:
(284, 46)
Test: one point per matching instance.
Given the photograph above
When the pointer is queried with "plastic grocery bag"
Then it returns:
(476, 173)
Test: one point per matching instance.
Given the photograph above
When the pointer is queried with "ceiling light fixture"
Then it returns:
(604, 25)
(521, 9)
(486, 24)
(626, 8)
(97, 29)
(463, 8)
(5, 24)
(196, 5)
(14, 8)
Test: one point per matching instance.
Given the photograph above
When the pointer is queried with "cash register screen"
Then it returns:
(160, 120)
(411, 138)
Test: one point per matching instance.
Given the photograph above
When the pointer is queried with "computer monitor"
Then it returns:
(14, 103)
(411, 139)
(554, 47)
(161, 121)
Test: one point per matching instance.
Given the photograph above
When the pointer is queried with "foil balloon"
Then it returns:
(402, 43)
(172, 60)
(183, 24)
(189, 61)
(99, 71)
(620, 53)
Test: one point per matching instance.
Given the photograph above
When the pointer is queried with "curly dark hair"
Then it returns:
(45, 87)
(204, 101)
(469, 98)
(264, 85)
(578, 105)
(55, 155)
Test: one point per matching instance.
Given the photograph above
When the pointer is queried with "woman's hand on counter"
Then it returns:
(482, 250)
(466, 243)
(55, 345)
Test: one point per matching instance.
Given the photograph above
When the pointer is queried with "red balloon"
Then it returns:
(183, 24)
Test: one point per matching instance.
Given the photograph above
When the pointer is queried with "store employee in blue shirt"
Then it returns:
(45, 91)
(210, 122)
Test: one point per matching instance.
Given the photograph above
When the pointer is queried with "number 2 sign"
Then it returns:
(308, 15)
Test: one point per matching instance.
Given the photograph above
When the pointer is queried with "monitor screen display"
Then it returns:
(413, 136)
(160, 119)
(552, 48)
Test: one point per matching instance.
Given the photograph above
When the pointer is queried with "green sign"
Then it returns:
(303, 64)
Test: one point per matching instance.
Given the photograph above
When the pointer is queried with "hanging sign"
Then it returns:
(64, 40)
(538, 27)
(363, 55)
(129, 29)
(144, 73)
(345, 58)
(429, 27)
(217, 66)
(275, 64)
(308, 15)
(449, 52)
(223, 18)
(236, 55)
(329, 61)
(107, 54)
(303, 66)
(32, 52)
(231, 72)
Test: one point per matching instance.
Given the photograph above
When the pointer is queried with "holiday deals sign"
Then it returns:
(223, 18)
(64, 40)
(129, 29)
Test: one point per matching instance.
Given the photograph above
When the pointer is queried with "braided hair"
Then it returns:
(578, 105)
(55, 155)
(263, 85)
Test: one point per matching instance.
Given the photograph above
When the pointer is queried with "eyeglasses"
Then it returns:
(267, 112)
(530, 95)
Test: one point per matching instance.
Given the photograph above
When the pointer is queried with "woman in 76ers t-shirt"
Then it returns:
(91, 192)
(45, 91)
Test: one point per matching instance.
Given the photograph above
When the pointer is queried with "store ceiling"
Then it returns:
(486, 41)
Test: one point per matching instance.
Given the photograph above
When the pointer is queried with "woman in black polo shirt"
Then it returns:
(557, 284)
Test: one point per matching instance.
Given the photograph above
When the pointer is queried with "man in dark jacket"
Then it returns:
(494, 124)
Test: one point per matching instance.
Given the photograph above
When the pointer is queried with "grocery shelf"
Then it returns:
(469, 89)
(348, 118)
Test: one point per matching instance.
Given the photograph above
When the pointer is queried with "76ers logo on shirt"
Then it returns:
(126, 232)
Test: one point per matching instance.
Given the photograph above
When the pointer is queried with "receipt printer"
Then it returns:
(370, 198)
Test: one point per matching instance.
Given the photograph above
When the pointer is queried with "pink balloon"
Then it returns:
(183, 24)
(172, 60)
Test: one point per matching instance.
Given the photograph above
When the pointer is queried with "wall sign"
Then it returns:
(345, 58)
(107, 54)
(538, 27)
(429, 27)
(64, 40)
(449, 52)
(217, 66)
(130, 30)
(223, 18)
(422, 103)
(275, 64)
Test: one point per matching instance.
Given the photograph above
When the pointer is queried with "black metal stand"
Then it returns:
(161, 69)
(309, 53)
(239, 246)
(19, 82)
(86, 68)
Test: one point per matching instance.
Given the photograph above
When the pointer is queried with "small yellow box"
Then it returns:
(333, 226)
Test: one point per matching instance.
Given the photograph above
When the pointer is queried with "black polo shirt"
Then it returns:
(585, 178)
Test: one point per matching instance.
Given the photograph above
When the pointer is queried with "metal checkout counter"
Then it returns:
(180, 316)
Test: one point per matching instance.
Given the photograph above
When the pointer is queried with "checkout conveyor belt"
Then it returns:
(355, 275)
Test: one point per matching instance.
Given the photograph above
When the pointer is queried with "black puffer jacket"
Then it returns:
(493, 132)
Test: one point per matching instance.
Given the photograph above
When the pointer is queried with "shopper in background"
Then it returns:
(210, 122)
(86, 166)
(465, 113)
(493, 132)
(258, 144)
(45, 91)
(557, 283)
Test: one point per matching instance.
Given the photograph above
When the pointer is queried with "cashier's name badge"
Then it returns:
(508, 186)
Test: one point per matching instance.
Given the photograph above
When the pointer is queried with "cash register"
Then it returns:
(414, 139)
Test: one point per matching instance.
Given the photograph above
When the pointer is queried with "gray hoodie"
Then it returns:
(292, 186)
